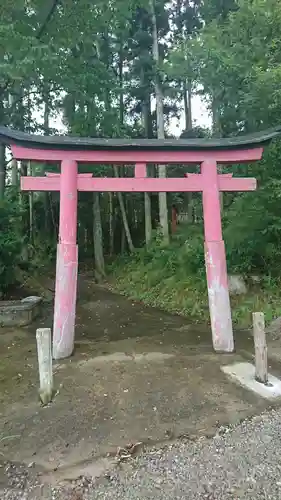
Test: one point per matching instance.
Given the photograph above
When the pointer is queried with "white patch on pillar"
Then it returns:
(220, 317)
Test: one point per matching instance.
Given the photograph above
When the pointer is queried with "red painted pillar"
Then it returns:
(67, 263)
(215, 261)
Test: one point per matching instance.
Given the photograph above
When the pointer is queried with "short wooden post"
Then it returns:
(44, 350)
(260, 347)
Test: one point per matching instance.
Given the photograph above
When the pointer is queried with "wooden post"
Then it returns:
(260, 348)
(44, 351)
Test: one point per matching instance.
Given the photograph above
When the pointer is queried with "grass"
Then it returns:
(173, 279)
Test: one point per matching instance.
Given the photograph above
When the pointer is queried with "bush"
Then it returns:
(169, 277)
(173, 277)
(253, 231)
(10, 242)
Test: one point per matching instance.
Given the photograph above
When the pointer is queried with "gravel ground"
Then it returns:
(243, 462)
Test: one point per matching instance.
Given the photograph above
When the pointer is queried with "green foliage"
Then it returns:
(173, 278)
(165, 277)
(253, 232)
(10, 242)
(94, 63)
(252, 223)
(237, 62)
(218, 9)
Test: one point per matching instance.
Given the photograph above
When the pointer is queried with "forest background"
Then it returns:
(133, 69)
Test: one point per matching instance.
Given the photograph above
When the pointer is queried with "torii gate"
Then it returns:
(71, 150)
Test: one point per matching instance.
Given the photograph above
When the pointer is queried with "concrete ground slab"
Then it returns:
(244, 373)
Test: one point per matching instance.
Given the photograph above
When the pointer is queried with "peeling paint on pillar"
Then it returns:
(215, 260)
(65, 300)
(219, 302)
(67, 264)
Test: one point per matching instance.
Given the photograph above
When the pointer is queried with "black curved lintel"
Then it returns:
(59, 142)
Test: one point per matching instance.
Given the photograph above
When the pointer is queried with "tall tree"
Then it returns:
(187, 22)
(163, 209)
(2, 171)
(124, 215)
(2, 158)
(98, 238)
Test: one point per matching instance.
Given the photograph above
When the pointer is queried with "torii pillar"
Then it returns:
(67, 263)
(215, 260)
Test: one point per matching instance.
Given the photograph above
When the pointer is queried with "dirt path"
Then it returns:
(137, 375)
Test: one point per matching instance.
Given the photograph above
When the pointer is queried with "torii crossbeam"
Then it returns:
(70, 150)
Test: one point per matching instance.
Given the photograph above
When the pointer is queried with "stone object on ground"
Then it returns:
(237, 285)
(20, 312)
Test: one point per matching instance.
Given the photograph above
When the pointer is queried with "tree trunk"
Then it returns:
(14, 176)
(97, 236)
(163, 210)
(187, 97)
(147, 216)
(14, 163)
(123, 241)
(111, 225)
(54, 223)
(147, 199)
(190, 208)
(124, 215)
(216, 126)
(46, 128)
(189, 94)
(217, 133)
(2, 171)
(31, 213)
(185, 105)
(46, 98)
(121, 90)
(2, 157)
(24, 201)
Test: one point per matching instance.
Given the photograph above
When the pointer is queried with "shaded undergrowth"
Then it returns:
(173, 278)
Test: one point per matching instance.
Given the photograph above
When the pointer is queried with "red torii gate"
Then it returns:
(71, 150)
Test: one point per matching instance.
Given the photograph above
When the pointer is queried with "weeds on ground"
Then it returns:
(172, 278)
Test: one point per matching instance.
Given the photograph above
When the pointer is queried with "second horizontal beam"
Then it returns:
(138, 185)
